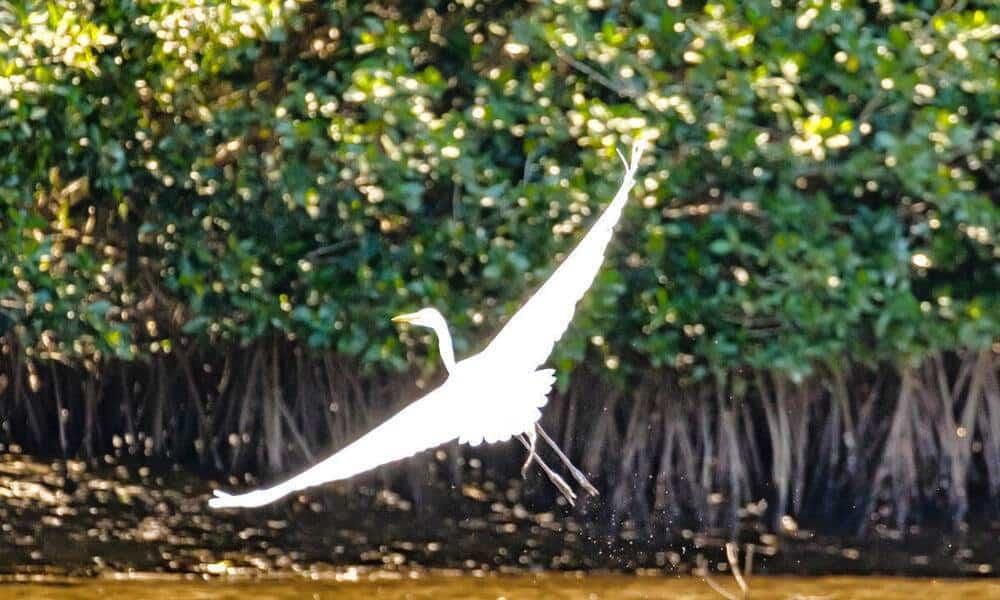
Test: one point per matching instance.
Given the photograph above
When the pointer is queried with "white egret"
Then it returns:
(491, 396)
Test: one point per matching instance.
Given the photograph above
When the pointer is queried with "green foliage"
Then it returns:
(824, 180)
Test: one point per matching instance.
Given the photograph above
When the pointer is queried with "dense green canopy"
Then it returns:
(824, 181)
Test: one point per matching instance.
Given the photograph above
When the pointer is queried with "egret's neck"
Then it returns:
(444, 345)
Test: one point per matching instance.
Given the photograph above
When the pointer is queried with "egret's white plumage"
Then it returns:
(489, 397)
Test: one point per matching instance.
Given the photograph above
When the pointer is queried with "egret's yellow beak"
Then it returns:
(407, 318)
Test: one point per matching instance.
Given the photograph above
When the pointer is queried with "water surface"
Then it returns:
(538, 587)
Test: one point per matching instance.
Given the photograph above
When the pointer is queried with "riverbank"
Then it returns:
(65, 518)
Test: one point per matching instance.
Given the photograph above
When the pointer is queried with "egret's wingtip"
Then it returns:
(220, 500)
(622, 158)
(639, 145)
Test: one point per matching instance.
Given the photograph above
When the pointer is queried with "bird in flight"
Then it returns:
(489, 397)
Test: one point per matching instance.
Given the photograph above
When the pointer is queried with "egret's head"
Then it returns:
(426, 317)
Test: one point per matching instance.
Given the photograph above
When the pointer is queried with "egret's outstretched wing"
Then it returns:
(426, 423)
(527, 339)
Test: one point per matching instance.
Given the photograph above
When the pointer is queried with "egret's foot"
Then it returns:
(554, 477)
(574, 471)
(559, 482)
(585, 484)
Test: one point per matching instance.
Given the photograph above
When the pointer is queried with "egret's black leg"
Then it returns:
(575, 472)
(533, 438)
(554, 477)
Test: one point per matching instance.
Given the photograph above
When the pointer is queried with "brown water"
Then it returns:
(590, 587)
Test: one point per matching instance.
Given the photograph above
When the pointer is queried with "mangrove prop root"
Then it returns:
(893, 441)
